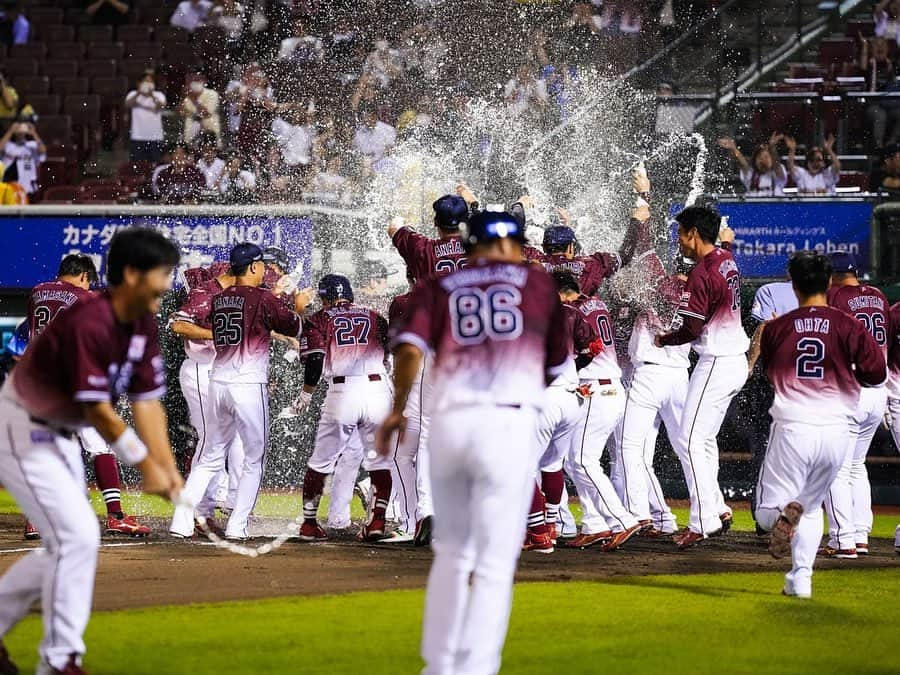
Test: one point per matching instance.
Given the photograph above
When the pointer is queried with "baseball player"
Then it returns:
(193, 322)
(711, 321)
(490, 327)
(426, 257)
(410, 467)
(71, 377)
(73, 280)
(849, 501)
(605, 519)
(347, 343)
(656, 392)
(893, 385)
(244, 316)
(816, 358)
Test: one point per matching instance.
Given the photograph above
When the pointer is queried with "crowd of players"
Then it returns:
(506, 375)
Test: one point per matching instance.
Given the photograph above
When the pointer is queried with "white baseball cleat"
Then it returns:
(794, 590)
(397, 537)
(897, 540)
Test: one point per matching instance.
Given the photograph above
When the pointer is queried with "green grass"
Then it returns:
(726, 623)
(287, 505)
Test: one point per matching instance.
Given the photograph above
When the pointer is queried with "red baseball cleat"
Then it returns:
(7, 667)
(620, 538)
(554, 535)
(783, 531)
(687, 538)
(311, 532)
(211, 525)
(128, 525)
(31, 534)
(841, 553)
(539, 542)
(71, 668)
(862, 548)
(373, 531)
(586, 540)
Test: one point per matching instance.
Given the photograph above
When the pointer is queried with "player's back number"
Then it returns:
(479, 314)
(353, 331)
(228, 329)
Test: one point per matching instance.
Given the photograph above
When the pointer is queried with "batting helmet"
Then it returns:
(334, 287)
(450, 211)
(486, 226)
(558, 236)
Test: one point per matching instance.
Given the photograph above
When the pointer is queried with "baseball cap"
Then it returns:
(558, 235)
(487, 226)
(277, 256)
(244, 254)
(335, 287)
(450, 211)
(842, 262)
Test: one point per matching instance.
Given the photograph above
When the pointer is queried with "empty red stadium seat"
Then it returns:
(45, 16)
(76, 16)
(146, 52)
(30, 50)
(112, 88)
(99, 68)
(167, 34)
(69, 85)
(16, 68)
(51, 34)
(837, 50)
(83, 109)
(106, 193)
(72, 51)
(32, 85)
(55, 68)
(56, 129)
(105, 50)
(93, 33)
(43, 104)
(130, 34)
(854, 179)
(61, 194)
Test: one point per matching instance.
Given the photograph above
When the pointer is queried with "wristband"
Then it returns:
(129, 448)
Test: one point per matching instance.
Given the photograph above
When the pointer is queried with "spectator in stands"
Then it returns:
(763, 175)
(886, 176)
(256, 107)
(200, 109)
(329, 186)
(245, 78)
(525, 92)
(210, 164)
(373, 138)
(9, 196)
(301, 47)
(191, 14)
(236, 184)
(229, 16)
(887, 19)
(146, 105)
(181, 182)
(23, 151)
(14, 26)
(108, 12)
(9, 101)
(880, 72)
(294, 135)
(817, 178)
(383, 63)
(164, 163)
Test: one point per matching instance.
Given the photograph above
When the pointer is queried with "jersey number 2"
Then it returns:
(809, 361)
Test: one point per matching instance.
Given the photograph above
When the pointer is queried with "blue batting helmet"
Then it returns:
(486, 226)
(333, 287)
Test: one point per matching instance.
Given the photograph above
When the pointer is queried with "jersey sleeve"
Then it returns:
(762, 308)
(196, 308)
(695, 299)
(312, 339)
(419, 329)
(871, 369)
(557, 347)
(281, 318)
(409, 244)
(583, 333)
(89, 369)
(149, 380)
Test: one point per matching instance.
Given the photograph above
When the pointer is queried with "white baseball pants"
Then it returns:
(343, 482)
(848, 502)
(239, 409)
(482, 472)
(715, 381)
(45, 475)
(412, 489)
(801, 463)
(656, 393)
(194, 380)
(602, 509)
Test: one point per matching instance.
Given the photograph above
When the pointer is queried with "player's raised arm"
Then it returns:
(637, 237)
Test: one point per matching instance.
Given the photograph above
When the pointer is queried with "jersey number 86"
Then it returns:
(493, 313)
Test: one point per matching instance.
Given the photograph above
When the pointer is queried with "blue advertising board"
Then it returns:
(35, 244)
(767, 232)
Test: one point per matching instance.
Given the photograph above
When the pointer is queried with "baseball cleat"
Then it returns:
(897, 540)
(31, 534)
(583, 541)
(783, 531)
(653, 533)
(840, 553)
(795, 593)
(423, 531)
(646, 524)
(727, 521)
(211, 526)
(862, 548)
(539, 542)
(71, 668)
(397, 537)
(7, 667)
(373, 531)
(620, 538)
(687, 538)
(554, 534)
(311, 532)
(128, 525)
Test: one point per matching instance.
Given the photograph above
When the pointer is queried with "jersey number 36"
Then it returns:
(493, 313)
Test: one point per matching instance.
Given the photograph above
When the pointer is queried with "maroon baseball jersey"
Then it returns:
(426, 257)
(894, 353)
(87, 355)
(596, 316)
(197, 309)
(243, 318)
(590, 270)
(352, 338)
(47, 300)
(816, 359)
(492, 328)
(710, 308)
(867, 305)
(398, 312)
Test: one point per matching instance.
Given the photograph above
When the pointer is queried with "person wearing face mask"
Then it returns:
(200, 109)
(817, 178)
(146, 105)
(22, 146)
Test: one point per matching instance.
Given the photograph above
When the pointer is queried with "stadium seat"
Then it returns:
(92, 33)
(16, 68)
(111, 88)
(99, 68)
(55, 68)
(109, 193)
(56, 129)
(837, 50)
(69, 85)
(146, 52)
(56, 33)
(76, 16)
(60, 194)
(32, 85)
(855, 27)
(130, 34)
(854, 179)
(45, 16)
(105, 50)
(158, 17)
(83, 109)
(72, 51)
(30, 50)
(167, 34)
(43, 104)
(133, 70)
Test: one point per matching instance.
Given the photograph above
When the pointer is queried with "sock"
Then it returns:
(536, 519)
(313, 486)
(553, 487)
(107, 469)
(381, 487)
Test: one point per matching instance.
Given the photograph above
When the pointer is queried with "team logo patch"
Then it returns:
(42, 436)
(136, 347)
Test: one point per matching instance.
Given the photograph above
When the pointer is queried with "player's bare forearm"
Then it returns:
(152, 428)
(104, 418)
(755, 342)
(191, 331)
(407, 359)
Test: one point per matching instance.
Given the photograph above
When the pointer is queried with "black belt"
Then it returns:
(340, 379)
(604, 382)
(65, 433)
